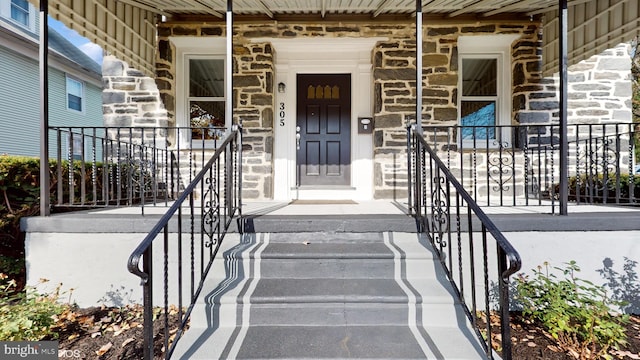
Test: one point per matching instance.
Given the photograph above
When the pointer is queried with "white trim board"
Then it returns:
(319, 55)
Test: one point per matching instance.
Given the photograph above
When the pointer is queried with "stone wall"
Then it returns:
(599, 92)
(394, 85)
(394, 78)
(129, 98)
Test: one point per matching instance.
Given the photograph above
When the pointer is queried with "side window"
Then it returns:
(479, 98)
(484, 89)
(20, 12)
(75, 94)
(205, 96)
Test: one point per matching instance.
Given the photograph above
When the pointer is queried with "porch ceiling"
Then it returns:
(126, 28)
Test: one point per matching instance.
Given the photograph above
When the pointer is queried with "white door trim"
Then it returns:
(316, 56)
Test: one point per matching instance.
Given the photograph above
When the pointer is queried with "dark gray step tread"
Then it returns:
(269, 342)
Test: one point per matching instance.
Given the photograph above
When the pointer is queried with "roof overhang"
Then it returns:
(127, 28)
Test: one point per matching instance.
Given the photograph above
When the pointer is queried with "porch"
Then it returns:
(329, 246)
(111, 234)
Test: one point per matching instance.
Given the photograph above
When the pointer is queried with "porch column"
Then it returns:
(228, 113)
(564, 153)
(419, 66)
(44, 108)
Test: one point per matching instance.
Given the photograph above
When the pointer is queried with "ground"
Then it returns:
(109, 333)
(531, 342)
(113, 333)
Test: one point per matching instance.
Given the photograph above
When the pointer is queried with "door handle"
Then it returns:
(297, 137)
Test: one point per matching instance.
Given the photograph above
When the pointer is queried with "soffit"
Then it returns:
(593, 26)
(126, 28)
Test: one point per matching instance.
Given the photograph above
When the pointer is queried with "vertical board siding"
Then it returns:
(125, 31)
(594, 26)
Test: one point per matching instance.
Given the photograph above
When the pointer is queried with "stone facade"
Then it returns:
(394, 85)
(599, 92)
(131, 99)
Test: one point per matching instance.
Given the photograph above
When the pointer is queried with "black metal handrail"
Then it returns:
(517, 165)
(201, 228)
(456, 225)
(125, 166)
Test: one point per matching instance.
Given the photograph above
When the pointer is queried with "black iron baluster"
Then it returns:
(83, 170)
(59, 168)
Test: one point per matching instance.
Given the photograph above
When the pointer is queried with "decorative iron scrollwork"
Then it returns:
(500, 166)
(439, 210)
(210, 211)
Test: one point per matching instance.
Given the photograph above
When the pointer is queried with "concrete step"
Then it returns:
(329, 295)
(331, 342)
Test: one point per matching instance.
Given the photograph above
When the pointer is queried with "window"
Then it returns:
(202, 89)
(75, 94)
(484, 104)
(479, 98)
(20, 12)
(205, 96)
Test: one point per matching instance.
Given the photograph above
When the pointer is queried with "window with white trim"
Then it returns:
(479, 97)
(484, 88)
(205, 92)
(20, 12)
(75, 94)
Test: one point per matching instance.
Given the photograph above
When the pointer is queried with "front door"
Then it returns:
(323, 129)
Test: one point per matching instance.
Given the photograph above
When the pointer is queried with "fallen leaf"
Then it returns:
(306, 242)
(95, 334)
(531, 344)
(129, 340)
(628, 354)
(103, 350)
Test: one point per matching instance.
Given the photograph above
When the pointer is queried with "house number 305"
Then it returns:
(281, 114)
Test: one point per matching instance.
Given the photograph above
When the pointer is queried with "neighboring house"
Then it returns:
(75, 82)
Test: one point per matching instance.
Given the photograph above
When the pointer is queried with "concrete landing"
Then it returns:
(329, 295)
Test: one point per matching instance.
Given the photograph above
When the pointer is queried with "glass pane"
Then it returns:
(20, 11)
(479, 77)
(74, 87)
(206, 77)
(478, 120)
(206, 117)
(75, 102)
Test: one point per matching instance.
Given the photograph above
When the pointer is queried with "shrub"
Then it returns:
(27, 315)
(597, 187)
(573, 311)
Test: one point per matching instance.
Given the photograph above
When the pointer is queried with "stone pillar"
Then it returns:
(131, 99)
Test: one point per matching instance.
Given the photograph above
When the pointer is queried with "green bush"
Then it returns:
(27, 315)
(586, 187)
(575, 312)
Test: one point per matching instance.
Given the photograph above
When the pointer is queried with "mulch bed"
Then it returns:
(531, 342)
(109, 333)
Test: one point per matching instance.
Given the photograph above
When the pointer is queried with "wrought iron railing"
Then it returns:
(477, 258)
(519, 165)
(189, 234)
(125, 166)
